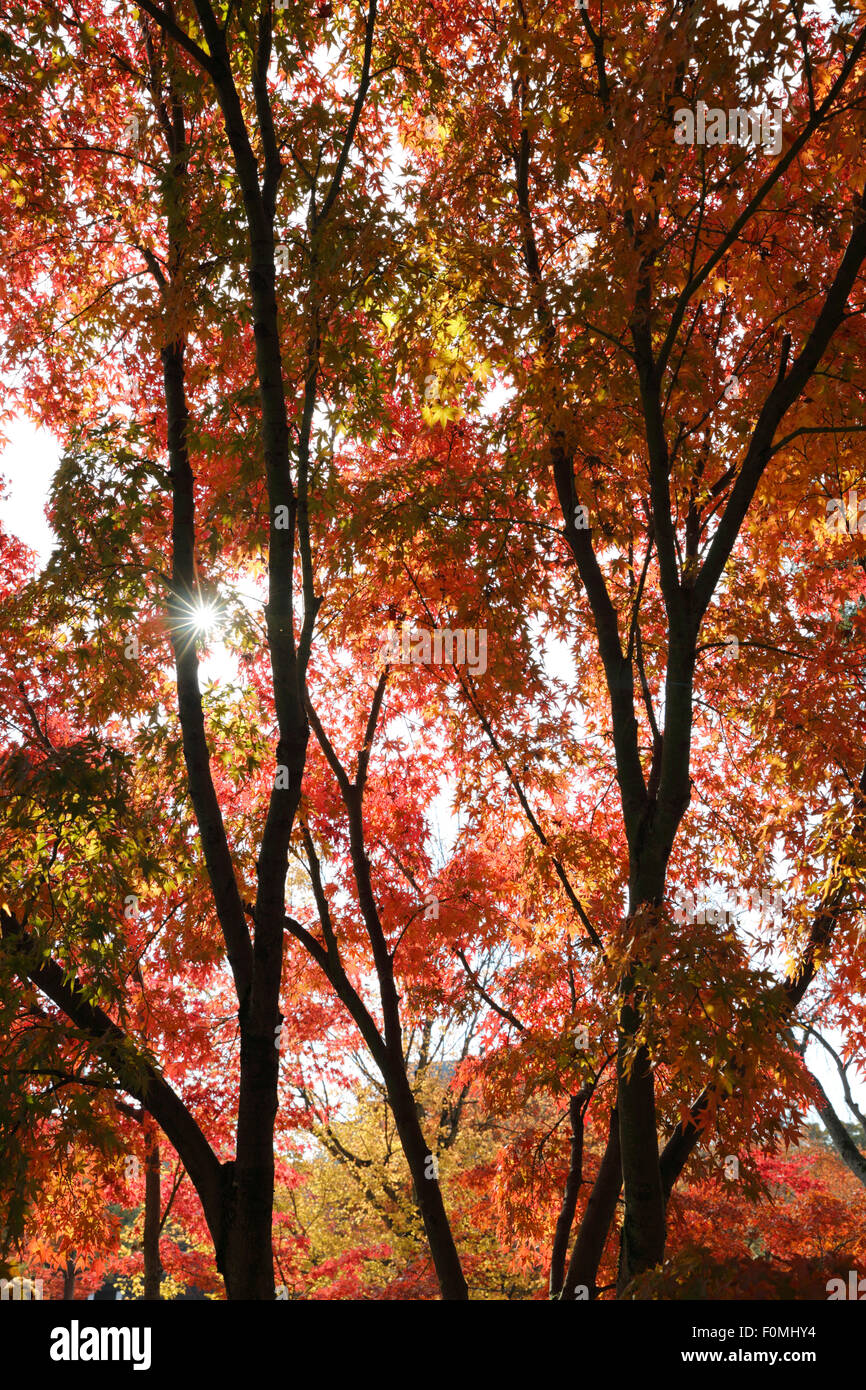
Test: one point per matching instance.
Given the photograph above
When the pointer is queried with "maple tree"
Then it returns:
(620, 289)
(361, 330)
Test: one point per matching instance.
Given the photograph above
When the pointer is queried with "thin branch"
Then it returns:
(477, 985)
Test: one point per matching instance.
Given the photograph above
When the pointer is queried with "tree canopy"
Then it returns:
(433, 764)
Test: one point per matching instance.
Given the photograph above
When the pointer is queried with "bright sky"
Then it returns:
(27, 466)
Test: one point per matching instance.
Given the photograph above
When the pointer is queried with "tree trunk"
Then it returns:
(428, 1194)
(644, 1229)
(247, 1263)
(427, 1190)
(152, 1264)
(842, 1141)
(597, 1219)
(576, 1108)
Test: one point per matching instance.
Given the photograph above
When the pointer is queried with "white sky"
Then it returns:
(27, 466)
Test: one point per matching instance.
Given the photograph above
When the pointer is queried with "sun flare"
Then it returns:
(204, 617)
